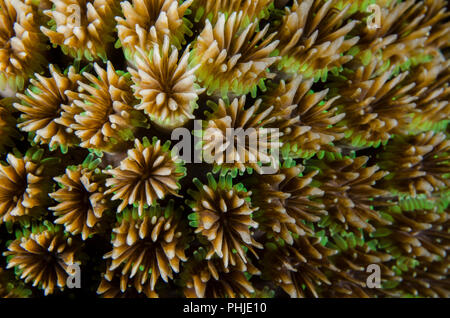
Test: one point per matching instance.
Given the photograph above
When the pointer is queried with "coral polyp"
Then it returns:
(287, 200)
(23, 186)
(82, 200)
(148, 246)
(223, 214)
(233, 56)
(43, 105)
(43, 257)
(313, 38)
(83, 28)
(224, 149)
(165, 85)
(22, 47)
(236, 122)
(149, 173)
(106, 118)
(147, 22)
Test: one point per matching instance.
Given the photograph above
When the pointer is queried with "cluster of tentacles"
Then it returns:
(313, 148)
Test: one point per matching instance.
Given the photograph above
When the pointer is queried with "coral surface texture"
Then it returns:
(225, 148)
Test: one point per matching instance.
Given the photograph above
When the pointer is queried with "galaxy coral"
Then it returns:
(353, 118)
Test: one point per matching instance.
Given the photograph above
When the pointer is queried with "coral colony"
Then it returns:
(135, 138)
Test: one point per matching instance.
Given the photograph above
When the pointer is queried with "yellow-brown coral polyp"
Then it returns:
(350, 192)
(225, 136)
(233, 57)
(209, 278)
(376, 104)
(22, 47)
(149, 173)
(23, 188)
(42, 107)
(82, 200)
(418, 164)
(302, 264)
(313, 38)
(165, 85)
(146, 247)
(83, 28)
(106, 118)
(147, 22)
(286, 201)
(306, 119)
(223, 213)
(43, 258)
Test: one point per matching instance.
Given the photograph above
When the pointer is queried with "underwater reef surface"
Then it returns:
(347, 103)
